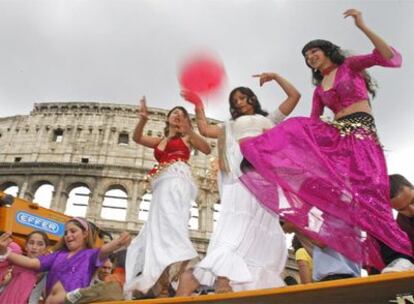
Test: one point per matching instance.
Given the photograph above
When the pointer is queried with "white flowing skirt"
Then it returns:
(248, 245)
(164, 239)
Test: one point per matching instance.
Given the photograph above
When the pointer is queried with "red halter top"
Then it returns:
(175, 150)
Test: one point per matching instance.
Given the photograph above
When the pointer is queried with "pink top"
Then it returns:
(20, 287)
(18, 290)
(349, 85)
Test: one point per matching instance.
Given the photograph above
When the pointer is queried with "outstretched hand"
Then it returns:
(265, 77)
(124, 239)
(192, 97)
(5, 240)
(143, 111)
(357, 15)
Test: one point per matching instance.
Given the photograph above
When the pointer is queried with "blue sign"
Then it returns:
(40, 223)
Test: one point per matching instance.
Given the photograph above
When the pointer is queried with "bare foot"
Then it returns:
(222, 285)
(160, 289)
(187, 284)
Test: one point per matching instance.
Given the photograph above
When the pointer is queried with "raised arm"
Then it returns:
(293, 95)
(204, 127)
(383, 48)
(195, 140)
(14, 258)
(123, 241)
(139, 137)
(199, 142)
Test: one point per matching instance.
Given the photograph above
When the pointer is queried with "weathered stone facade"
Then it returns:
(90, 144)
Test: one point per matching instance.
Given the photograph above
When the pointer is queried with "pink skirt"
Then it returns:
(330, 180)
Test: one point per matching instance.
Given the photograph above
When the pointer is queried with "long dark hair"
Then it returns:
(167, 125)
(337, 56)
(251, 99)
(296, 244)
(397, 182)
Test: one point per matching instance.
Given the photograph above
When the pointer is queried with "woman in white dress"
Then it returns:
(248, 248)
(162, 250)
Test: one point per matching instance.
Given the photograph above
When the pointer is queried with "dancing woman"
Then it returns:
(162, 250)
(71, 267)
(333, 174)
(247, 249)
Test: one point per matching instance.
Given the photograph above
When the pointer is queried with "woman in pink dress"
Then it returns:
(332, 173)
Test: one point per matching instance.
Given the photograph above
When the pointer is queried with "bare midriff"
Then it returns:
(360, 106)
(57, 294)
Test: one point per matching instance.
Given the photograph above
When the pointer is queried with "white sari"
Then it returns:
(248, 245)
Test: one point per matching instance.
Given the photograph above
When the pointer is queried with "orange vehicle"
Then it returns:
(20, 217)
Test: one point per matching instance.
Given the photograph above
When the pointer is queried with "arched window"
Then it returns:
(144, 206)
(114, 206)
(43, 195)
(193, 222)
(11, 189)
(77, 203)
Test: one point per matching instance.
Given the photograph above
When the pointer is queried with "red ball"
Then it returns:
(202, 74)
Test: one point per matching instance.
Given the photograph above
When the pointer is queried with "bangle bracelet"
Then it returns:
(6, 255)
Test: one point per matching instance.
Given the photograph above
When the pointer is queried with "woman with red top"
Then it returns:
(163, 249)
(333, 173)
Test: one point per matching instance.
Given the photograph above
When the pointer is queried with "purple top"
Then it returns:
(349, 85)
(73, 272)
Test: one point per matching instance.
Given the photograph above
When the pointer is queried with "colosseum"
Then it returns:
(83, 156)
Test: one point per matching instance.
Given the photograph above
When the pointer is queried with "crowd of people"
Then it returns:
(325, 181)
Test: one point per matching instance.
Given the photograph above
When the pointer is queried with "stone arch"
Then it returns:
(7, 180)
(112, 184)
(74, 182)
(8, 183)
(42, 191)
(10, 187)
(36, 181)
(79, 194)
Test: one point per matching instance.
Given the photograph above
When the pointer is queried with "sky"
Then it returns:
(118, 50)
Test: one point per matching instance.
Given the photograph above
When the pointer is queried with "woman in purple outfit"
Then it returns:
(332, 173)
(74, 262)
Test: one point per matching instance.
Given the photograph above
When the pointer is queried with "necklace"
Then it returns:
(328, 70)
